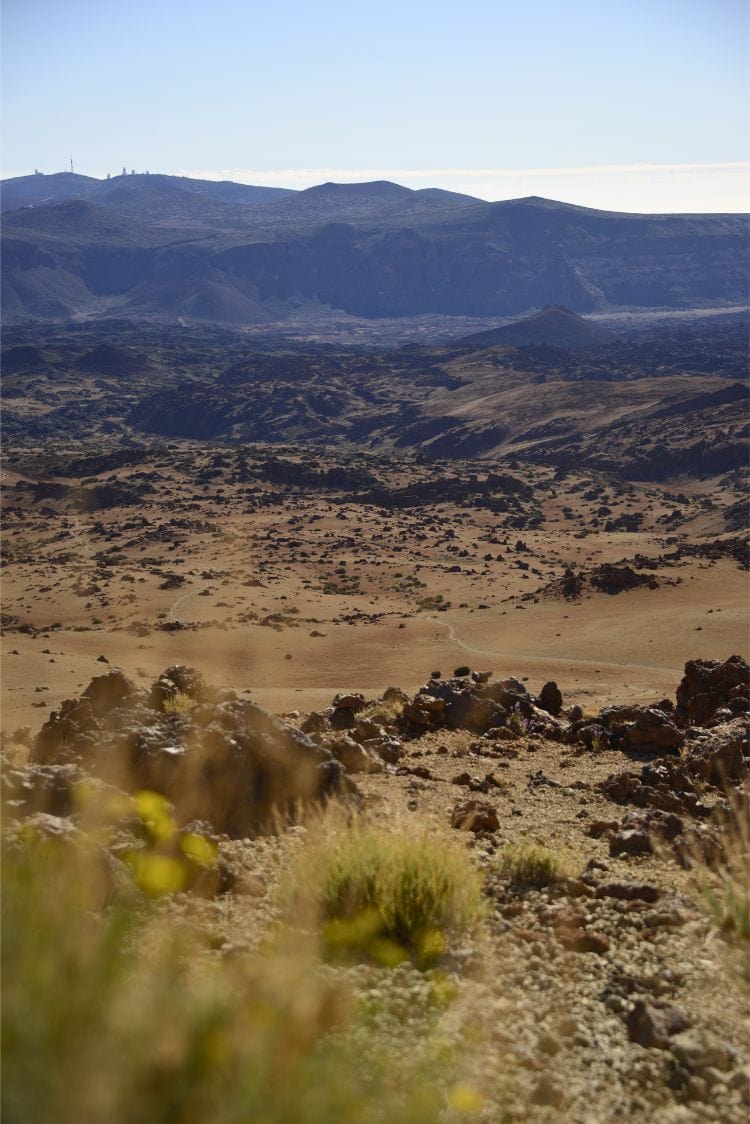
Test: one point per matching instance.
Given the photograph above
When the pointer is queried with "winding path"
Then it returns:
(192, 593)
(556, 660)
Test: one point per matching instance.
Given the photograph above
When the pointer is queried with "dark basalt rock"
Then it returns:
(460, 703)
(550, 699)
(653, 732)
(27, 789)
(652, 1022)
(224, 761)
(177, 680)
(710, 685)
(615, 579)
(106, 692)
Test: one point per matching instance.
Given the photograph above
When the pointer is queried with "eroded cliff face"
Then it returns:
(378, 251)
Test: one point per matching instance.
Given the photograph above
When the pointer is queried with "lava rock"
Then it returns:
(550, 699)
(651, 1023)
(653, 732)
(708, 685)
(476, 816)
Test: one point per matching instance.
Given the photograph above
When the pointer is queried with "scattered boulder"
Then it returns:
(354, 757)
(653, 732)
(550, 699)
(476, 816)
(616, 579)
(55, 790)
(628, 891)
(548, 1092)
(651, 1023)
(350, 700)
(630, 841)
(223, 760)
(721, 754)
(583, 940)
(105, 692)
(177, 680)
(698, 1050)
(710, 685)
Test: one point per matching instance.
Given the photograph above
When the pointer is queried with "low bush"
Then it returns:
(720, 877)
(114, 1012)
(389, 895)
(530, 866)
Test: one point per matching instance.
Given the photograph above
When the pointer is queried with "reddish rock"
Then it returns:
(651, 1023)
(583, 940)
(709, 685)
(629, 891)
(475, 815)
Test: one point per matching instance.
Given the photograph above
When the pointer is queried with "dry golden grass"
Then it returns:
(114, 1011)
(721, 880)
(179, 703)
(389, 893)
(529, 865)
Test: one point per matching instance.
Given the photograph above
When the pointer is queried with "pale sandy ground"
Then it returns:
(605, 649)
(240, 566)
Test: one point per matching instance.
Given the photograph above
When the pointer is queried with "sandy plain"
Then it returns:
(292, 594)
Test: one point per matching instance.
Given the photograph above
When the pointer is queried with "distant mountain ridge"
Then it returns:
(165, 247)
(36, 190)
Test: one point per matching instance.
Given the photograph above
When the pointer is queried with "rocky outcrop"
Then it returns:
(711, 759)
(712, 691)
(215, 757)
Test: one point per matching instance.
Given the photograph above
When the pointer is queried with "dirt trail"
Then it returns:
(553, 660)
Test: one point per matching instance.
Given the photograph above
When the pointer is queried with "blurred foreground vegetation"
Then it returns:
(114, 1011)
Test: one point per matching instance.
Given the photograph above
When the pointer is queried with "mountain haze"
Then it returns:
(164, 246)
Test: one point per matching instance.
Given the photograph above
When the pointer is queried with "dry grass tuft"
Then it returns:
(530, 866)
(384, 711)
(179, 703)
(721, 879)
(114, 1012)
(387, 894)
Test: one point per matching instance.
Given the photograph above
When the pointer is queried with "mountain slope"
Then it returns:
(26, 191)
(371, 250)
(553, 326)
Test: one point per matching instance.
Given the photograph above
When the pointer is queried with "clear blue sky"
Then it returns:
(313, 89)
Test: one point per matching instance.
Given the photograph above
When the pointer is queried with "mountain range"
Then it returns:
(166, 247)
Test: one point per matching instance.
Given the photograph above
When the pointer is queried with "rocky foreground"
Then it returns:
(605, 992)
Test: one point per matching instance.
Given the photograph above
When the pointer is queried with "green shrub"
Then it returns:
(113, 1013)
(389, 895)
(178, 703)
(530, 866)
(460, 672)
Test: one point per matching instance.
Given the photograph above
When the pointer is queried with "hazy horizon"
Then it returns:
(645, 189)
(624, 106)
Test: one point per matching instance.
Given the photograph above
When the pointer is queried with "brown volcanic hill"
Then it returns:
(108, 360)
(553, 326)
(23, 358)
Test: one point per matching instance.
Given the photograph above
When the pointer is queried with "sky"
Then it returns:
(637, 105)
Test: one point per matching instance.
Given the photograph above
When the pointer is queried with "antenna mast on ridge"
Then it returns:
(71, 163)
